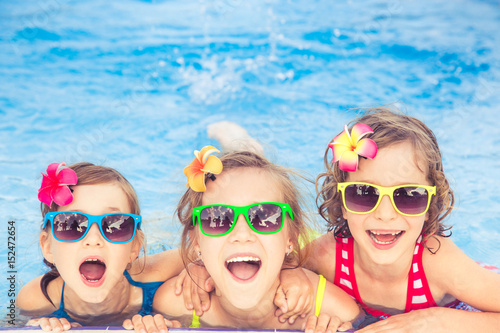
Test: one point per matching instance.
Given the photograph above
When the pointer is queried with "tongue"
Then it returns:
(385, 238)
(92, 270)
(243, 270)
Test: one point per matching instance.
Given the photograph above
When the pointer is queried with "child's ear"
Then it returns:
(344, 213)
(45, 246)
(289, 247)
(136, 245)
(193, 237)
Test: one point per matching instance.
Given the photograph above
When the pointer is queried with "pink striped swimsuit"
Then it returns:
(418, 293)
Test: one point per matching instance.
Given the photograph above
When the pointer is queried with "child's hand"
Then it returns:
(52, 324)
(324, 323)
(150, 324)
(295, 295)
(191, 288)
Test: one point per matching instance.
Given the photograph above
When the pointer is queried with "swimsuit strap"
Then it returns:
(148, 292)
(319, 294)
(61, 303)
(61, 313)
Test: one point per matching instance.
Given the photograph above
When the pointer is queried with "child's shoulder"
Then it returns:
(445, 263)
(322, 253)
(168, 303)
(157, 267)
(32, 301)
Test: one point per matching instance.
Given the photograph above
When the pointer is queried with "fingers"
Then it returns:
(310, 324)
(209, 284)
(179, 282)
(51, 324)
(161, 323)
(196, 299)
(204, 298)
(186, 294)
(150, 324)
(323, 323)
(332, 324)
(173, 323)
(280, 300)
(139, 323)
(127, 324)
(345, 326)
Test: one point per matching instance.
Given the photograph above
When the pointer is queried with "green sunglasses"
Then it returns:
(263, 217)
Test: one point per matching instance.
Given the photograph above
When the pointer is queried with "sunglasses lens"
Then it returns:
(266, 218)
(411, 200)
(70, 226)
(118, 227)
(360, 198)
(216, 220)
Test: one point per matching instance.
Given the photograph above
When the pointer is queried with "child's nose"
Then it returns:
(93, 237)
(242, 231)
(385, 210)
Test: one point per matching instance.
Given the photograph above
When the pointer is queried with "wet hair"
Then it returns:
(390, 127)
(90, 174)
(290, 194)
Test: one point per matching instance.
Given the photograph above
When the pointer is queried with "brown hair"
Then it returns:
(282, 176)
(90, 174)
(390, 127)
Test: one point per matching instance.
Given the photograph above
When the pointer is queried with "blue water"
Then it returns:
(133, 85)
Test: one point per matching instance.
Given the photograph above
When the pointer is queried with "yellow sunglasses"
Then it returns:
(364, 198)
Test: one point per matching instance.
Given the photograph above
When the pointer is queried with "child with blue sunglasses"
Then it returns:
(91, 240)
(244, 228)
(387, 245)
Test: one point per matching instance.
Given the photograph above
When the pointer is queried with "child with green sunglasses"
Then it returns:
(244, 228)
(387, 245)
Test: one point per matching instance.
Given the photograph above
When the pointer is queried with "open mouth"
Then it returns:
(243, 268)
(385, 238)
(92, 270)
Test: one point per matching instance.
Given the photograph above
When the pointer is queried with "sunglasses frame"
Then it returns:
(238, 210)
(97, 219)
(389, 191)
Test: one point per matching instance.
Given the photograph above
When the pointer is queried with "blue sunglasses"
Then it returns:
(69, 226)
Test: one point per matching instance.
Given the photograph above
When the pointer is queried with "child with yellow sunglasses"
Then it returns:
(387, 246)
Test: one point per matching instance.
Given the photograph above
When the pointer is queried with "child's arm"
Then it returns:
(195, 287)
(321, 258)
(158, 267)
(295, 286)
(165, 265)
(295, 295)
(167, 305)
(32, 302)
(336, 303)
(451, 272)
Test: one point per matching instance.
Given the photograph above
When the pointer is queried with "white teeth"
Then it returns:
(240, 259)
(373, 234)
(387, 233)
(91, 260)
(88, 279)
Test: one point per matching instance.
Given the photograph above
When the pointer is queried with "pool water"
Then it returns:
(134, 84)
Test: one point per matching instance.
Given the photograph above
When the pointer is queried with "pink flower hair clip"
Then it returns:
(347, 147)
(202, 165)
(55, 183)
